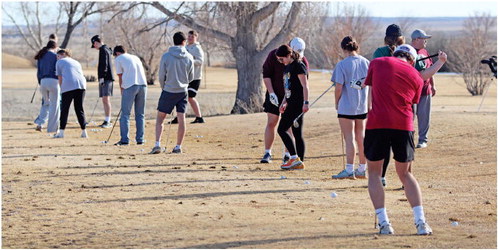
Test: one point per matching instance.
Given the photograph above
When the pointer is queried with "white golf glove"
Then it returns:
(101, 80)
(357, 84)
(274, 99)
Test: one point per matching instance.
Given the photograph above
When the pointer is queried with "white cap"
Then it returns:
(407, 48)
(297, 44)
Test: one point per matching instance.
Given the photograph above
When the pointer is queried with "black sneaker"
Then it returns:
(266, 158)
(120, 143)
(176, 151)
(140, 142)
(174, 121)
(198, 120)
(105, 124)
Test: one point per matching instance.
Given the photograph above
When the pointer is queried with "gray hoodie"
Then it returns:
(176, 70)
(196, 51)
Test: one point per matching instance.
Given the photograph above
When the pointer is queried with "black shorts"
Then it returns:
(378, 142)
(168, 101)
(193, 86)
(268, 107)
(353, 117)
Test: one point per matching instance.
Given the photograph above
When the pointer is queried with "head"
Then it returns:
(51, 45)
(393, 37)
(53, 37)
(349, 44)
(118, 50)
(179, 39)
(286, 55)
(297, 44)
(63, 53)
(96, 42)
(192, 37)
(419, 39)
(407, 52)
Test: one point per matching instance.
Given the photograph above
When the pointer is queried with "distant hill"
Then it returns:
(11, 61)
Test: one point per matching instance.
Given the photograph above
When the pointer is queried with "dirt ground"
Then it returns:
(81, 193)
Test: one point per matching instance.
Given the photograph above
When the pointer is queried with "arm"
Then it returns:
(304, 82)
(162, 72)
(120, 76)
(60, 80)
(198, 56)
(38, 72)
(338, 93)
(429, 72)
(369, 96)
(433, 87)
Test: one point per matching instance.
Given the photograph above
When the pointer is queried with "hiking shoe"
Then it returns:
(120, 143)
(156, 150)
(386, 228)
(266, 158)
(174, 121)
(84, 134)
(293, 164)
(344, 175)
(198, 120)
(285, 159)
(176, 151)
(360, 174)
(105, 124)
(384, 182)
(423, 228)
(422, 145)
(38, 128)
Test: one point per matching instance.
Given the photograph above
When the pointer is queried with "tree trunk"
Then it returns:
(69, 31)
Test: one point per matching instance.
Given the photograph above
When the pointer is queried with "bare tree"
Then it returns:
(477, 42)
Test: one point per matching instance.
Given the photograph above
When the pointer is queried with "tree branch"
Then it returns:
(264, 12)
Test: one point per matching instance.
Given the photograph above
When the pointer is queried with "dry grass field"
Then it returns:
(81, 193)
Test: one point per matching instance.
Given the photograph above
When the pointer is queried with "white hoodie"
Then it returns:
(176, 70)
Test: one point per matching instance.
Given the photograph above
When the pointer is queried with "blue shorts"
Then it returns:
(168, 101)
(105, 89)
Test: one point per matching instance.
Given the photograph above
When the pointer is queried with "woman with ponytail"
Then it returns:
(294, 103)
(351, 105)
(49, 87)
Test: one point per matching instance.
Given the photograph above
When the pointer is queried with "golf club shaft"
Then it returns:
(114, 125)
(94, 107)
(311, 105)
(169, 129)
(34, 93)
(424, 58)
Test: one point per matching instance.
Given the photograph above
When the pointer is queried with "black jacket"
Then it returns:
(105, 63)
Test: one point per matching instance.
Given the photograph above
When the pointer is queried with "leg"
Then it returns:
(79, 97)
(44, 109)
(412, 189)
(387, 158)
(54, 106)
(140, 113)
(374, 184)
(424, 118)
(181, 128)
(67, 98)
(359, 130)
(127, 98)
(347, 132)
(195, 106)
(283, 126)
(271, 124)
(106, 101)
(297, 134)
(159, 125)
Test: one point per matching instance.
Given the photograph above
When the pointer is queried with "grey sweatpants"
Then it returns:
(424, 117)
(51, 94)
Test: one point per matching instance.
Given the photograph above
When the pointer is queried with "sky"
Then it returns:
(424, 8)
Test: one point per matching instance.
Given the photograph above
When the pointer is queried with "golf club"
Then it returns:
(34, 93)
(424, 58)
(93, 112)
(295, 123)
(115, 121)
(169, 129)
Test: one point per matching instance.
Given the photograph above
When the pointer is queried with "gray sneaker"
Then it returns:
(384, 182)
(156, 150)
(423, 228)
(422, 145)
(360, 174)
(344, 175)
(176, 151)
(386, 228)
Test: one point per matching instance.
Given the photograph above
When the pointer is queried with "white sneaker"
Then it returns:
(423, 228)
(84, 134)
(386, 228)
(59, 135)
(422, 145)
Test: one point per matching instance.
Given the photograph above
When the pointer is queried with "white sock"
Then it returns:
(108, 119)
(362, 167)
(287, 154)
(418, 214)
(178, 146)
(267, 151)
(61, 132)
(349, 168)
(293, 157)
(382, 216)
(158, 143)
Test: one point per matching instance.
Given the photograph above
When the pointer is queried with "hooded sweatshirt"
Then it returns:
(196, 51)
(176, 70)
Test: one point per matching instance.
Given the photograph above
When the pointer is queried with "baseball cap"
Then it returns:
(95, 38)
(297, 44)
(407, 48)
(393, 30)
(420, 34)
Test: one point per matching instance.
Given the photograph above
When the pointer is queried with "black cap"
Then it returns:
(95, 38)
(393, 30)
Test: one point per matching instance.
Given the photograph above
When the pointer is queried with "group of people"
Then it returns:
(376, 102)
(392, 89)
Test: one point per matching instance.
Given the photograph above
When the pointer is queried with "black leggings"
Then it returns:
(67, 97)
(284, 125)
(386, 163)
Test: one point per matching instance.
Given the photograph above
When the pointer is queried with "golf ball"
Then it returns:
(333, 195)
(307, 182)
(283, 177)
(454, 223)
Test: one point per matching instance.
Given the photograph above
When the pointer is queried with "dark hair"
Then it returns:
(52, 36)
(178, 38)
(285, 50)
(349, 43)
(193, 32)
(66, 52)
(50, 45)
(119, 49)
(404, 54)
(393, 42)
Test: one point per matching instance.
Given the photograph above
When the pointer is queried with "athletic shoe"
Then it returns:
(422, 145)
(360, 174)
(423, 228)
(84, 134)
(384, 182)
(293, 164)
(156, 150)
(120, 143)
(176, 151)
(266, 158)
(386, 228)
(174, 121)
(38, 128)
(198, 120)
(344, 175)
(140, 142)
(59, 135)
(105, 124)
(285, 159)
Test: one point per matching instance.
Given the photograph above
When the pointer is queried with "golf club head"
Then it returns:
(295, 124)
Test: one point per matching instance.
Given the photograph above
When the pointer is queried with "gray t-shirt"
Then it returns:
(72, 74)
(351, 69)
